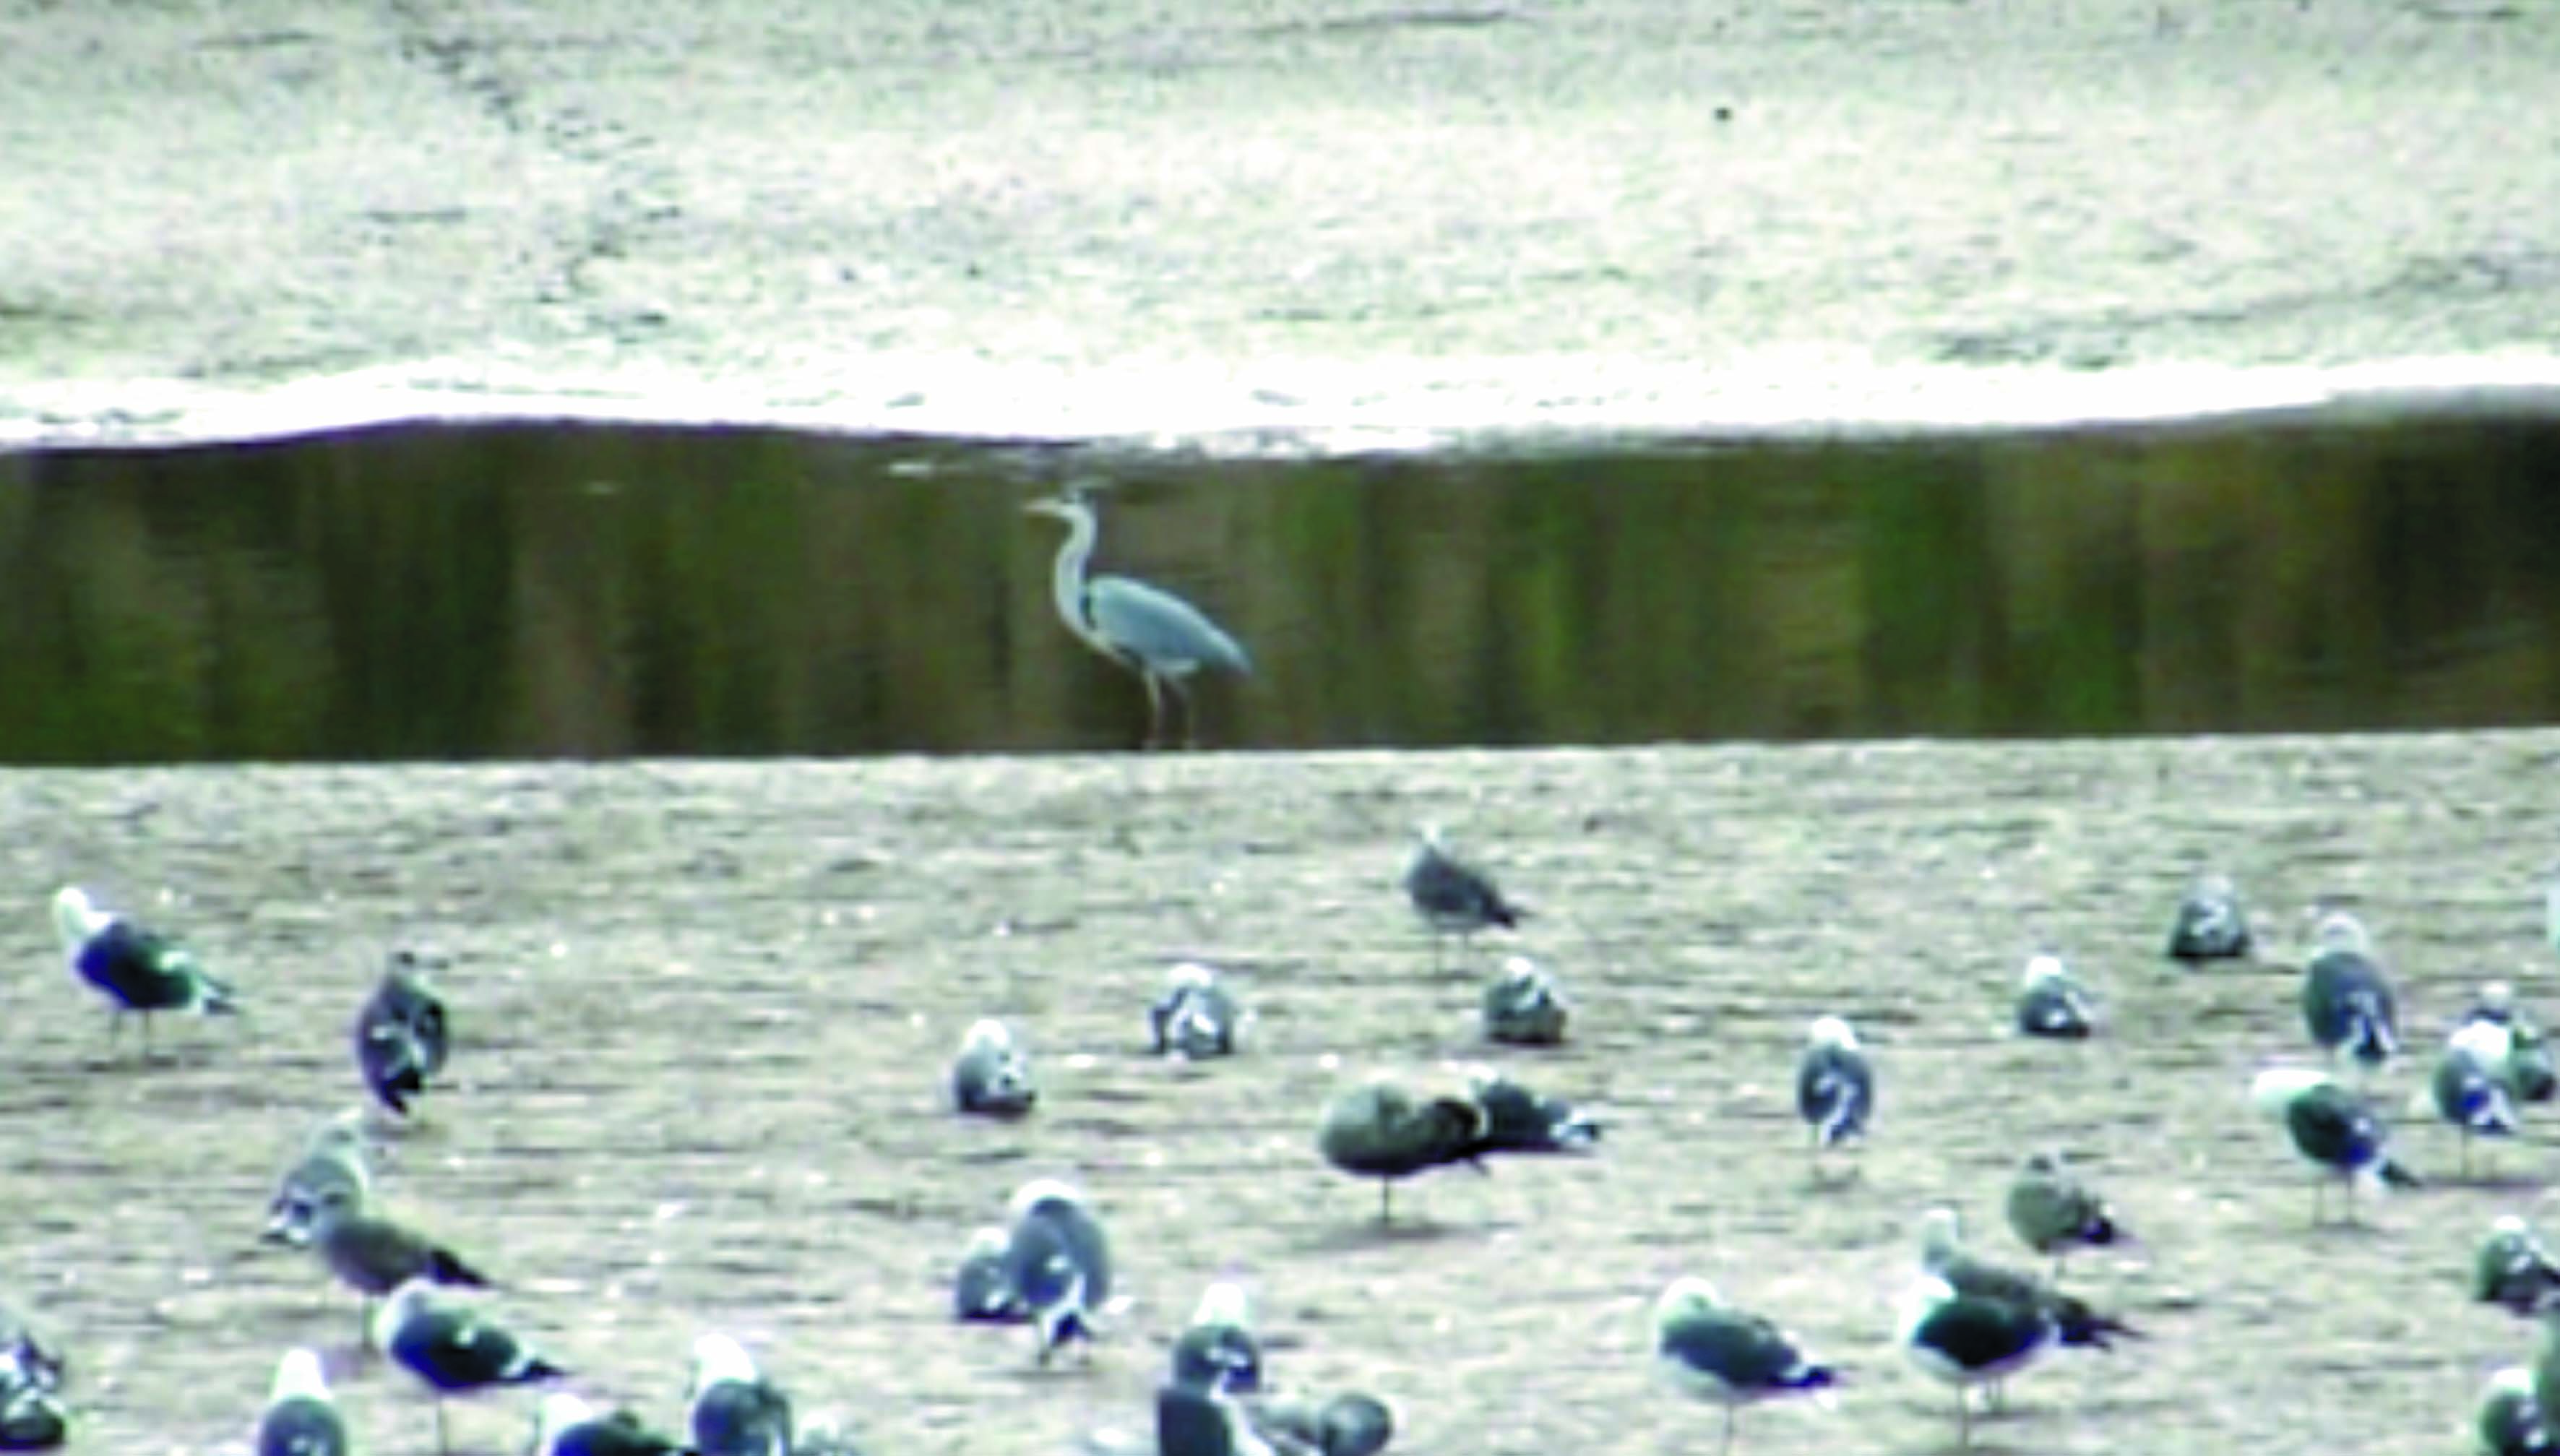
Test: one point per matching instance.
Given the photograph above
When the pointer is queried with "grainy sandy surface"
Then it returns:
(1307, 217)
(704, 1012)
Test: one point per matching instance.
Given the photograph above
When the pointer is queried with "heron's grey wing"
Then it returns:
(1161, 630)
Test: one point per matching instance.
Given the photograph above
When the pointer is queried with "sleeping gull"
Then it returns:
(1522, 1006)
(733, 1409)
(992, 1075)
(2210, 925)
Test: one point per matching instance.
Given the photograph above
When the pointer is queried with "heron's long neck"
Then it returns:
(1066, 578)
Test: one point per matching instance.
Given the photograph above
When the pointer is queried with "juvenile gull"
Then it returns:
(2053, 1213)
(2347, 1000)
(564, 1425)
(1835, 1086)
(1452, 897)
(1057, 1264)
(992, 1075)
(453, 1350)
(2333, 1129)
(300, 1418)
(2075, 1322)
(1196, 1018)
(2052, 1003)
(374, 1255)
(1217, 1351)
(1522, 1006)
(2211, 923)
(133, 968)
(2471, 1088)
(2513, 1270)
(980, 1290)
(1722, 1355)
(733, 1409)
(400, 1038)
(335, 1164)
(1517, 1120)
(1381, 1129)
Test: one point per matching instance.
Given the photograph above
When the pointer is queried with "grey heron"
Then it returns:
(1152, 632)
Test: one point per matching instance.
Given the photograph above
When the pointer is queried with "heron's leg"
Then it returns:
(1154, 710)
(1191, 711)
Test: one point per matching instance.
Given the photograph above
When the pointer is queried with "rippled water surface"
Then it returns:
(435, 592)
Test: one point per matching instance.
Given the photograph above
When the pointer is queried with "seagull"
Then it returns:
(2075, 1322)
(1968, 1340)
(2471, 1087)
(451, 1350)
(374, 1257)
(1057, 1263)
(1218, 1352)
(2347, 1000)
(2052, 1212)
(2211, 923)
(1351, 1423)
(1522, 1006)
(1720, 1353)
(2528, 1070)
(980, 1290)
(335, 1164)
(734, 1411)
(1197, 1420)
(1452, 897)
(2052, 1003)
(26, 1361)
(2333, 1128)
(401, 1038)
(2513, 1270)
(300, 1418)
(1381, 1129)
(1517, 1120)
(564, 1425)
(1196, 1019)
(31, 1417)
(133, 968)
(1835, 1086)
(2510, 1421)
(992, 1075)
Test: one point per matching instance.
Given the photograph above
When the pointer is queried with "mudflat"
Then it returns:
(1167, 219)
(702, 1014)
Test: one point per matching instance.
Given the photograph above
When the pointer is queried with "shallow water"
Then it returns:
(534, 590)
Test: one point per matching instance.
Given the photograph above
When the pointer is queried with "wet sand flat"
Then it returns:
(704, 1010)
(1294, 215)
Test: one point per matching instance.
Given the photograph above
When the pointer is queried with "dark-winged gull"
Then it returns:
(1970, 1339)
(453, 1350)
(980, 1291)
(135, 969)
(374, 1255)
(2211, 923)
(2053, 1213)
(2050, 1003)
(564, 1425)
(1452, 897)
(300, 1418)
(1200, 1420)
(1057, 1263)
(1350, 1423)
(1522, 1006)
(734, 1410)
(2529, 1069)
(400, 1038)
(2075, 1321)
(1381, 1129)
(2512, 1268)
(1196, 1018)
(1835, 1085)
(2509, 1420)
(2348, 1004)
(336, 1163)
(1719, 1354)
(2470, 1086)
(1217, 1351)
(25, 1360)
(2333, 1129)
(1518, 1120)
(992, 1075)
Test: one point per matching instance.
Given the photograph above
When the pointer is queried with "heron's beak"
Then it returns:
(1045, 506)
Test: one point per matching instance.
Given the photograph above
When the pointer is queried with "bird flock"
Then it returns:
(1964, 1319)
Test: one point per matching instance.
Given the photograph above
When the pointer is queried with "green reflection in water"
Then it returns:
(538, 590)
